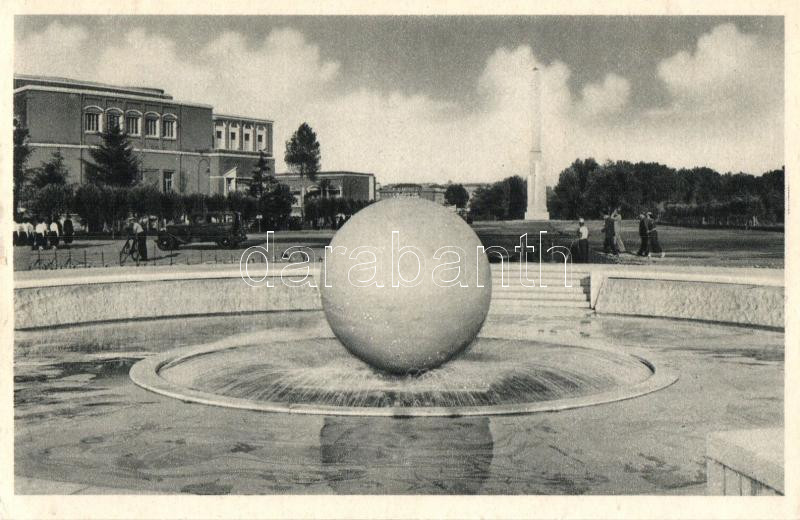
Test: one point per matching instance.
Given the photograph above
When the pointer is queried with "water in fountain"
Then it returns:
(320, 372)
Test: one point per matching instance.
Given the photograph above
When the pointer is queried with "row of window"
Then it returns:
(259, 137)
(166, 178)
(155, 126)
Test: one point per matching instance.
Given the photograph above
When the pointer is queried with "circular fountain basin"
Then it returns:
(317, 376)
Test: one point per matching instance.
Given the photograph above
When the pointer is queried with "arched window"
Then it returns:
(169, 126)
(247, 136)
(152, 125)
(114, 118)
(92, 119)
(133, 122)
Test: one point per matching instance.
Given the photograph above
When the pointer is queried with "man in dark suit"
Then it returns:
(644, 248)
(609, 246)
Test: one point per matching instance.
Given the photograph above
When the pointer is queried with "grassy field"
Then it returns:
(684, 246)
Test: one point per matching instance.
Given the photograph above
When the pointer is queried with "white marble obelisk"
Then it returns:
(537, 193)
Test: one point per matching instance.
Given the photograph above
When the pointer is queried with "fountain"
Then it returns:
(405, 289)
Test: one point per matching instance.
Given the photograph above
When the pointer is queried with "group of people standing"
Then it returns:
(649, 236)
(45, 234)
(612, 234)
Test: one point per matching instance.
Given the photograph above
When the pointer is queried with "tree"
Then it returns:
(21, 154)
(302, 152)
(515, 190)
(145, 200)
(456, 194)
(303, 155)
(52, 200)
(88, 204)
(53, 172)
(260, 173)
(489, 202)
(275, 205)
(243, 203)
(171, 205)
(115, 162)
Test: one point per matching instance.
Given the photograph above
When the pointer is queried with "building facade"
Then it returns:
(183, 147)
(340, 184)
(422, 191)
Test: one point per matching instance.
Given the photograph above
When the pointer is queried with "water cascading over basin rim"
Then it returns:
(315, 376)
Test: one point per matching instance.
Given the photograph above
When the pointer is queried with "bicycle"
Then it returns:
(69, 263)
(130, 249)
(39, 263)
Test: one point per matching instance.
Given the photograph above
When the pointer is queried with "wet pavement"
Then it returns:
(81, 426)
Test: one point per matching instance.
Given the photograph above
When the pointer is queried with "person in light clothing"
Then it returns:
(40, 238)
(141, 239)
(17, 227)
(583, 242)
(616, 216)
(54, 234)
(30, 229)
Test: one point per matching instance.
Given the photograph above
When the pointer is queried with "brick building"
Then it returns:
(182, 146)
(339, 184)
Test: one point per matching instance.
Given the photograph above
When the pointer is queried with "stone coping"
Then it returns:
(597, 272)
(145, 373)
(28, 279)
(26, 283)
(729, 275)
(756, 454)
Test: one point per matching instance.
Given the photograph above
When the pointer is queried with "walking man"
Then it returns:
(644, 248)
(141, 239)
(583, 242)
(69, 230)
(652, 232)
(608, 231)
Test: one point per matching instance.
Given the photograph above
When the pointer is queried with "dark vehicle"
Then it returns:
(225, 228)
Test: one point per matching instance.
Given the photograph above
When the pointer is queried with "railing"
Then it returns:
(69, 259)
(102, 251)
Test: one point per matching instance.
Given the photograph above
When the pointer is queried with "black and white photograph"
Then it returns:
(411, 259)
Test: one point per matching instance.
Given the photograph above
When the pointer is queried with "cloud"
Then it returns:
(400, 136)
(607, 97)
(728, 70)
(53, 50)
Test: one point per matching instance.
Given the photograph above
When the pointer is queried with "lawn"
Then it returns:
(684, 246)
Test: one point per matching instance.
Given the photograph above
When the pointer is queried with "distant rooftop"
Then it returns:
(21, 80)
(334, 173)
(216, 116)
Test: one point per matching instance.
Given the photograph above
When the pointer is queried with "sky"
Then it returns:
(447, 98)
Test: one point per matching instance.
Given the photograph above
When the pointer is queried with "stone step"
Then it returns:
(524, 305)
(533, 268)
(549, 289)
(541, 295)
(515, 282)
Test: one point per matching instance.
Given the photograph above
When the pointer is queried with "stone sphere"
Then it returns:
(404, 286)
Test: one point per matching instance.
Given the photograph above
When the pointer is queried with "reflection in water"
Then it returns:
(399, 456)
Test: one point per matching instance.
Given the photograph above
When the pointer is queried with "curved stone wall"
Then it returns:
(42, 299)
(739, 303)
(68, 301)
